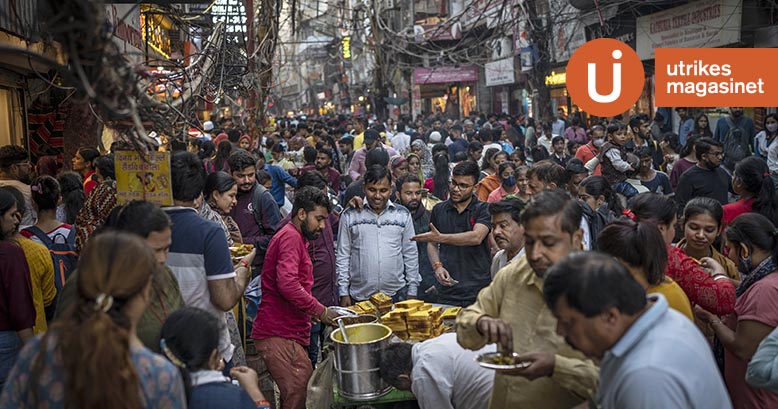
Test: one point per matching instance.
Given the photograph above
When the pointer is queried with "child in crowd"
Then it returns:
(613, 155)
(190, 340)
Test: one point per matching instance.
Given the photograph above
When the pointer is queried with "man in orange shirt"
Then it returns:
(589, 151)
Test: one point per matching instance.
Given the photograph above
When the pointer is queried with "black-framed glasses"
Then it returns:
(459, 186)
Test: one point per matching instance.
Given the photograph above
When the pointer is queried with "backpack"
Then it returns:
(63, 253)
(256, 205)
(737, 145)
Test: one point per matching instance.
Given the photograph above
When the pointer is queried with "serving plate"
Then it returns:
(486, 361)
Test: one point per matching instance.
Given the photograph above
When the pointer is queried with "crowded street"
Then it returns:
(411, 204)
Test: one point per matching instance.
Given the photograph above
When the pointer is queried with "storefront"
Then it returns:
(508, 96)
(556, 81)
(693, 25)
(449, 91)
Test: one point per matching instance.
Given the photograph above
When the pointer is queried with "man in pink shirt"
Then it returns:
(282, 328)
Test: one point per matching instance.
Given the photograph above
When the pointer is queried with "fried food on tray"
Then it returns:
(241, 250)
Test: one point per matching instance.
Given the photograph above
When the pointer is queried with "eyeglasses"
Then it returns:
(459, 186)
(25, 163)
(716, 154)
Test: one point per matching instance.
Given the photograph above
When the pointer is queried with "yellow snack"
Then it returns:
(451, 312)
(380, 299)
(409, 304)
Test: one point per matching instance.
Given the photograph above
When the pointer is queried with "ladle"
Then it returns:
(343, 331)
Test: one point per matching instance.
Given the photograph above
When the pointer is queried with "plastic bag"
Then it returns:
(320, 386)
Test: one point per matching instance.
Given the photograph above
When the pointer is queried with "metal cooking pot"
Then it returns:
(357, 362)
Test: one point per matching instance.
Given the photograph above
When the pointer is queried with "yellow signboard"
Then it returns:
(346, 43)
(139, 179)
(556, 78)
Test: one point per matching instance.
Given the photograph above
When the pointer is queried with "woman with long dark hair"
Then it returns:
(751, 180)
(490, 183)
(702, 126)
(219, 197)
(17, 308)
(93, 356)
(190, 340)
(223, 152)
(642, 250)
(84, 163)
(766, 138)
(206, 153)
(99, 204)
(752, 241)
(706, 284)
(73, 197)
(702, 225)
(596, 192)
(507, 172)
(438, 183)
(671, 149)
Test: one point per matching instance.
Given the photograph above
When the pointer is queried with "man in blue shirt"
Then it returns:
(650, 355)
(280, 179)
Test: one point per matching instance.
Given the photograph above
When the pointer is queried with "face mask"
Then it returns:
(772, 127)
(598, 143)
(737, 114)
(510, 181)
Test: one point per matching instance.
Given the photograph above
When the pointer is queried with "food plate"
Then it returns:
(343, 311)
(496, 360)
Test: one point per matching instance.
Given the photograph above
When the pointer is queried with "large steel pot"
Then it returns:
(357, 362)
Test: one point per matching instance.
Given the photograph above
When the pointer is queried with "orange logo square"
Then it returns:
(715, 77)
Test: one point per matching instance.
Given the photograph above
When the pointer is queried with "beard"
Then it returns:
(413, 205)
(309, 234)
(710, 165)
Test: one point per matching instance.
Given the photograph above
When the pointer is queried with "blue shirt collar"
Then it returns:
(642, 325)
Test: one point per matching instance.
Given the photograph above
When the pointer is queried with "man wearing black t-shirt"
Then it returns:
(707, 178)
(457, 243)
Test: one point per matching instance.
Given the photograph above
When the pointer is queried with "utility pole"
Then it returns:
(539, 35)
(379, 73)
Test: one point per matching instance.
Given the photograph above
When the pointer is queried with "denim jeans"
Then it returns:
(316, 337)
(10, 345)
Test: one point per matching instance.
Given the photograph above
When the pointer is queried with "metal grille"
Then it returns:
(19, 17)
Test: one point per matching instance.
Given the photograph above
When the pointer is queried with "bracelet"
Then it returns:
(715, 322)
(262, 404)
(436, 264)
(243, 263)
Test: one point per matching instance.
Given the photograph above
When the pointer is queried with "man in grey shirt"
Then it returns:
(650, 355)
(375, 252)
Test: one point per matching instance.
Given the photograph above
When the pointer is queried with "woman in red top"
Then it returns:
(752, 182)
(712, 291)
(84, 163)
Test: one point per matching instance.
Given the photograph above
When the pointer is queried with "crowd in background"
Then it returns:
(507, 217)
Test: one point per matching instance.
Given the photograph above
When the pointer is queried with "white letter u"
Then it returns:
(592, 82)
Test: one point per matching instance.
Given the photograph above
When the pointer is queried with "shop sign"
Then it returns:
(500, 72)
(345, 42)
(479, 11)
(139, 178)
(703, 23)
(126, 32)
(233, 14)
(556, 78)
(442, 75)
(416, 100)
(568, 34)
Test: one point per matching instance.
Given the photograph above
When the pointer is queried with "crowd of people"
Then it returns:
(608, 255)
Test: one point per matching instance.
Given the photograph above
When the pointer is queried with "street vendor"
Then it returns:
(512, 313)
(441, 374)
(282, 329)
